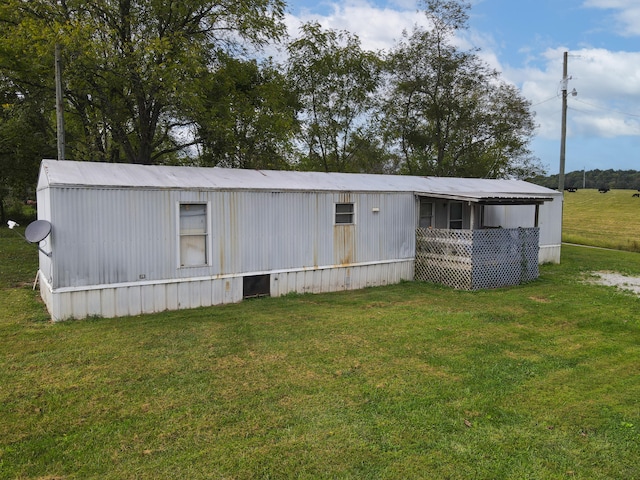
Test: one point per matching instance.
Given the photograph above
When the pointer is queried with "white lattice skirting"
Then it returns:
(476, 259)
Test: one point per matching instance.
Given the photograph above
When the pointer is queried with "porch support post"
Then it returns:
(535, 222)
(473, 215)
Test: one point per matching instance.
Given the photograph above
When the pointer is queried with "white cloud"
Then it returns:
(627, 15)
(380, 28)
(377, 28)
(608, 93)
(606, 126)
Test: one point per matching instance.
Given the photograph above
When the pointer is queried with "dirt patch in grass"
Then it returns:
(540, 299)
(613, 279)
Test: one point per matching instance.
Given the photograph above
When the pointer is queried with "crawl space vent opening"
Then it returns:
(256, 286)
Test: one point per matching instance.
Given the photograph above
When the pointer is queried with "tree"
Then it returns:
(245, 116)
(128, 63)
(446, 112)
(335, 80)
(25, 137)
(614, 179)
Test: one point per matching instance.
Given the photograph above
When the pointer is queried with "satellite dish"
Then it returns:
(37, 231)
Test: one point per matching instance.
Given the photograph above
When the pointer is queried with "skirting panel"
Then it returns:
(549, 254)
(341, 278)
(131, 300)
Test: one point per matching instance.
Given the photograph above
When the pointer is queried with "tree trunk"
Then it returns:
(3, 216)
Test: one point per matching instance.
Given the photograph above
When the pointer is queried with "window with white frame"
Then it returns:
(193, 234)
(425, 219)
(345, 213)
(455, 215)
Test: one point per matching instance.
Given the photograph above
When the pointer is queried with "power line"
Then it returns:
(634, 115)
(608, 109)
(578, 110)
(545, 101)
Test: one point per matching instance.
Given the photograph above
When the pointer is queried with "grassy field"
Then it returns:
(609, 219)
(538, 381)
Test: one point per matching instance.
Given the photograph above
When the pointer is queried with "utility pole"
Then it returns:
(563, 137)
(59, 103)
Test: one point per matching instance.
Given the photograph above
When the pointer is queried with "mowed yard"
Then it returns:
(539, 381)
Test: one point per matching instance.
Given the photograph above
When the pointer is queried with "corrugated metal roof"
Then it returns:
(117, 175)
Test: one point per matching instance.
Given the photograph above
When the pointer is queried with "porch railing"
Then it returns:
(475, 259)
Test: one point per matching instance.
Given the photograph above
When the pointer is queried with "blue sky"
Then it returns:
(525, 40)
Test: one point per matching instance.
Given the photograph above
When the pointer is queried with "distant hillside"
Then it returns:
(623, 179)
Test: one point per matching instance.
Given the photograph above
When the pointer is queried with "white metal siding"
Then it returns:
(512, 216)
(44, 213)
(550, 223)
(112, 236)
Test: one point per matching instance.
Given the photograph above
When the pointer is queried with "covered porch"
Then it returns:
(461, 243)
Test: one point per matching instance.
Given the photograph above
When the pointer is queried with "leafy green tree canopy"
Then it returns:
(446, 112)
(618, 179)
(128, 63)
(25, 135)
(245, 116)
(335, 80)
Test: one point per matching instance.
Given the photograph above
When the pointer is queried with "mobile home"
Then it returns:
(132, 239)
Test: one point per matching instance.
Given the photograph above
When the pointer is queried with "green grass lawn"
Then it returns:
(609, 219)
(538, 381)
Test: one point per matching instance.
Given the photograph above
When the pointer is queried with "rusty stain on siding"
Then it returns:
(344, 244)
(235, 206)
(345, 197)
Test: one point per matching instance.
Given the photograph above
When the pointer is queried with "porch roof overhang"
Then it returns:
(494, 198)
